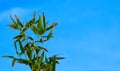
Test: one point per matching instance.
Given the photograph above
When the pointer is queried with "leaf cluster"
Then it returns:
(28, 48)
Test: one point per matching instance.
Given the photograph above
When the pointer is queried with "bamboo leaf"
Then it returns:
(50, 67)
(13, 20)
(57, 62)
(19, 22)
(51, 26)
(14, 26)
(30, 38)
(46, 60)
(15, 47)
(39, 25)
(41, 40)
(29, 53)
(36, 30)
(23, 30)
(8, 57)
(42, 57)
(24, 61)
(37, 50)
(13, 62)
(50, 35)
(44, 21)
(27, 25)
(19, 36)
(21, 47)
(59, 58)
(44, 49)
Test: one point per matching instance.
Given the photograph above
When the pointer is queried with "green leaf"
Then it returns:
(50, 67)
(24, 61)
(40, 40)
(44, 21)
(13, 62)
(54, 66)
(51, 26)
(15, 46)
(30, 38)
(23, 30)
(39, 25)
(46, 60)
(14, 26)
(44, 49)
(37, 50)
(50, 35)
(13, 20)
(19, 36)
(57, 62)
(36, 30)
(29, 53)
(50, 60)
(59, 58)
(27, 25)
(21, 46)
(42, 57)
(8, 57)
(19, 22)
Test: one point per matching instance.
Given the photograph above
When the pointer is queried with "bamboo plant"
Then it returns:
(29, 48)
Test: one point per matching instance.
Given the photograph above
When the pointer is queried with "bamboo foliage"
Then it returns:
(29, 49)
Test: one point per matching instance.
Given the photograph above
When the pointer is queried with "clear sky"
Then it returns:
(88, 34)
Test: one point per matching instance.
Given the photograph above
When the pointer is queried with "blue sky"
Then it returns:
(88, 34)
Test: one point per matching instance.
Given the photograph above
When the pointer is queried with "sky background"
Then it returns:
(88, 34)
